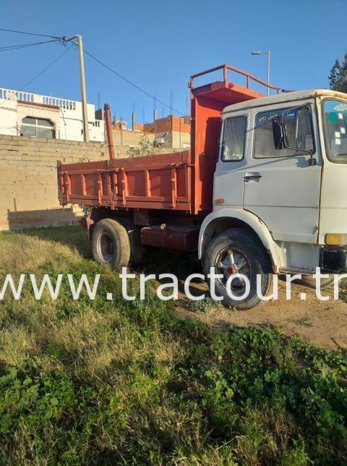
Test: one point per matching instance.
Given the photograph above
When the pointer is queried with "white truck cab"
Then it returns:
(282, 174)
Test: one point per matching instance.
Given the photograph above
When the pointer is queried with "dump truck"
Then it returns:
(261, 191)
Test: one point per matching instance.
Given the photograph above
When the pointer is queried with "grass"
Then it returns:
(107, 383)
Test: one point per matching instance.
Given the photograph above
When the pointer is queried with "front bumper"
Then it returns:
(333, 259)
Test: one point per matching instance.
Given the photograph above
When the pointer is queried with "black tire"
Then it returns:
(136, 246)
(111, 244)
(238, 244)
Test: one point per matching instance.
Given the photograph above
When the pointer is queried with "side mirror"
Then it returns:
(278, 133)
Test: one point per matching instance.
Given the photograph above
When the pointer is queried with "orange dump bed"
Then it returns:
(151, 182)
(179, 181)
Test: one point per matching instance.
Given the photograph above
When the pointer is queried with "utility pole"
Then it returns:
(83, 85)
(268, 53)
(83, 90)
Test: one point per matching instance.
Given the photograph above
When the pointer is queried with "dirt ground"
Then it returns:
(322, 323)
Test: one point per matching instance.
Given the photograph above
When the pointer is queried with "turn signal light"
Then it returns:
(335, 239)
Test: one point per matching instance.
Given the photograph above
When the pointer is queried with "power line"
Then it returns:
(63, 39)
(46, 68)
(29, 33)
(130, 82)
(41, 72)
(21, 46)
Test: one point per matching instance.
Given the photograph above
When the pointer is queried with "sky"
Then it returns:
(157, 45)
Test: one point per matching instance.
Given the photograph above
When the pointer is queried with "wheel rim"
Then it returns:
(106, 247)
(231, 261)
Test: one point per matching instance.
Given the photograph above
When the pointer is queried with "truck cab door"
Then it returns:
(228, 179)
(281, 186)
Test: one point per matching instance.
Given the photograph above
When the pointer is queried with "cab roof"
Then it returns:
(284, 97)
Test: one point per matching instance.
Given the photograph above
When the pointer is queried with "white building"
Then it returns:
(27, 114)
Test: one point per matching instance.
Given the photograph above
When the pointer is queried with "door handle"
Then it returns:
(252, 177)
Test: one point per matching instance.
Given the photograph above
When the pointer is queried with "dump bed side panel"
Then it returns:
(151, 182)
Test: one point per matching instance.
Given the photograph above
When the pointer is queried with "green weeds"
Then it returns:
(115, 382)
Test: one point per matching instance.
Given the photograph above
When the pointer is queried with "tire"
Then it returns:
(111, 244)
(238, 251)
(310, 282)
(136, 246)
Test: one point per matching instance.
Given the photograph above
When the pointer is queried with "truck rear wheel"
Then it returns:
(111, 244)
(237, 251)
(136, 246)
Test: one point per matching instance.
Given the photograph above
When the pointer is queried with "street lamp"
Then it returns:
(266, 52)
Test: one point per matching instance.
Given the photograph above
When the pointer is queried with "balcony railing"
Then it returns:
(9, 94)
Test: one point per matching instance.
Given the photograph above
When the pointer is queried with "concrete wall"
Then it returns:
(129, 138)
(28, 184)
(180, 139)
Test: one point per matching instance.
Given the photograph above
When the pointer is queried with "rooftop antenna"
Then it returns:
(154, 112)
(99, 99)
(133, 117)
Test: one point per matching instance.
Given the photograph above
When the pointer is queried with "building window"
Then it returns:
(37, 127)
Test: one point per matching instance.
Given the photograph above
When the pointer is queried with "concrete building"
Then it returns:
(123, 136)
(171, 131)
(34, 115)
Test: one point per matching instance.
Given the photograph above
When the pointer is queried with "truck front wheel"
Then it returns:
(310, 282)
(111, 244)
(236, 251)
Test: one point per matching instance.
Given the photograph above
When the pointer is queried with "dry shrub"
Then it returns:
(20, 254)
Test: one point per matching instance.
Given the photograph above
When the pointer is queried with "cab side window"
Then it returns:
(234, 137)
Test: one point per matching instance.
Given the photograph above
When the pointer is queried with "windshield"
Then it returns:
(335, 125)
